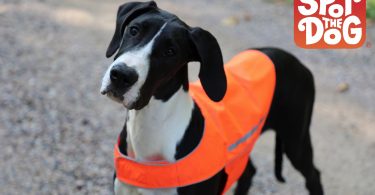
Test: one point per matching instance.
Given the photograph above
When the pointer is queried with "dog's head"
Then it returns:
(153, 48)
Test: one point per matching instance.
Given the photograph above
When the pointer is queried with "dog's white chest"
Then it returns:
(156, 129)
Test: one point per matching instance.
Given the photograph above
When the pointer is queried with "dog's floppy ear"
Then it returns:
(211, 74)
(125, 14)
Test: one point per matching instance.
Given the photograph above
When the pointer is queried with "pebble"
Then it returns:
(230, 21)
(342, 87)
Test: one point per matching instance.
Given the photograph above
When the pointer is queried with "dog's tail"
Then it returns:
(279, 149)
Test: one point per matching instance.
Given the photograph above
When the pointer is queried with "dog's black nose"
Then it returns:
(123, 76)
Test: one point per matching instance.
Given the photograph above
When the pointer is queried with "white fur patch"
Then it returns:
(157, 129)
(124, 189)
(139, 59)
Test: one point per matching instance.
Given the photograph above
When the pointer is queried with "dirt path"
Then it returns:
(57, 131)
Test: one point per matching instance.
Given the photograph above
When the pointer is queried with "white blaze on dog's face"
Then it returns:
(153, 51)
(137, 59)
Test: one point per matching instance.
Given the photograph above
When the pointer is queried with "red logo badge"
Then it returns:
(329, 23)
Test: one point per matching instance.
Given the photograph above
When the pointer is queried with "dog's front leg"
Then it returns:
(158, 192)
(125, 189)
(122, 189)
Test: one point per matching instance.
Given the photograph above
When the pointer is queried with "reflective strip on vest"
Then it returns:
(232, 127)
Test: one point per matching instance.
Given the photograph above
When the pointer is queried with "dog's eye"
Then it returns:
(169, 52)
(133, 30)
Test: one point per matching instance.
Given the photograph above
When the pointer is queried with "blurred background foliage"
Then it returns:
(370, 9)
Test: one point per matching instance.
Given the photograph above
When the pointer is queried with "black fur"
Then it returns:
(126, 13)
(211, 74)
(193, 134)
(244, 182)
(279, 149)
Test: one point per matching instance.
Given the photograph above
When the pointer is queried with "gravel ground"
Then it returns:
(57, 131)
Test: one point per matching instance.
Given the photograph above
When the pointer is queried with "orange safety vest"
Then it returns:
(231, 128)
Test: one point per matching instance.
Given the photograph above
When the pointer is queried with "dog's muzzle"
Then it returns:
(121, 77)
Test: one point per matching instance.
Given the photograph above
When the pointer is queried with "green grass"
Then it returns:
(370, 9)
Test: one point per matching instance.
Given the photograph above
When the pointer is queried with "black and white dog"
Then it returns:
(149, 76)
